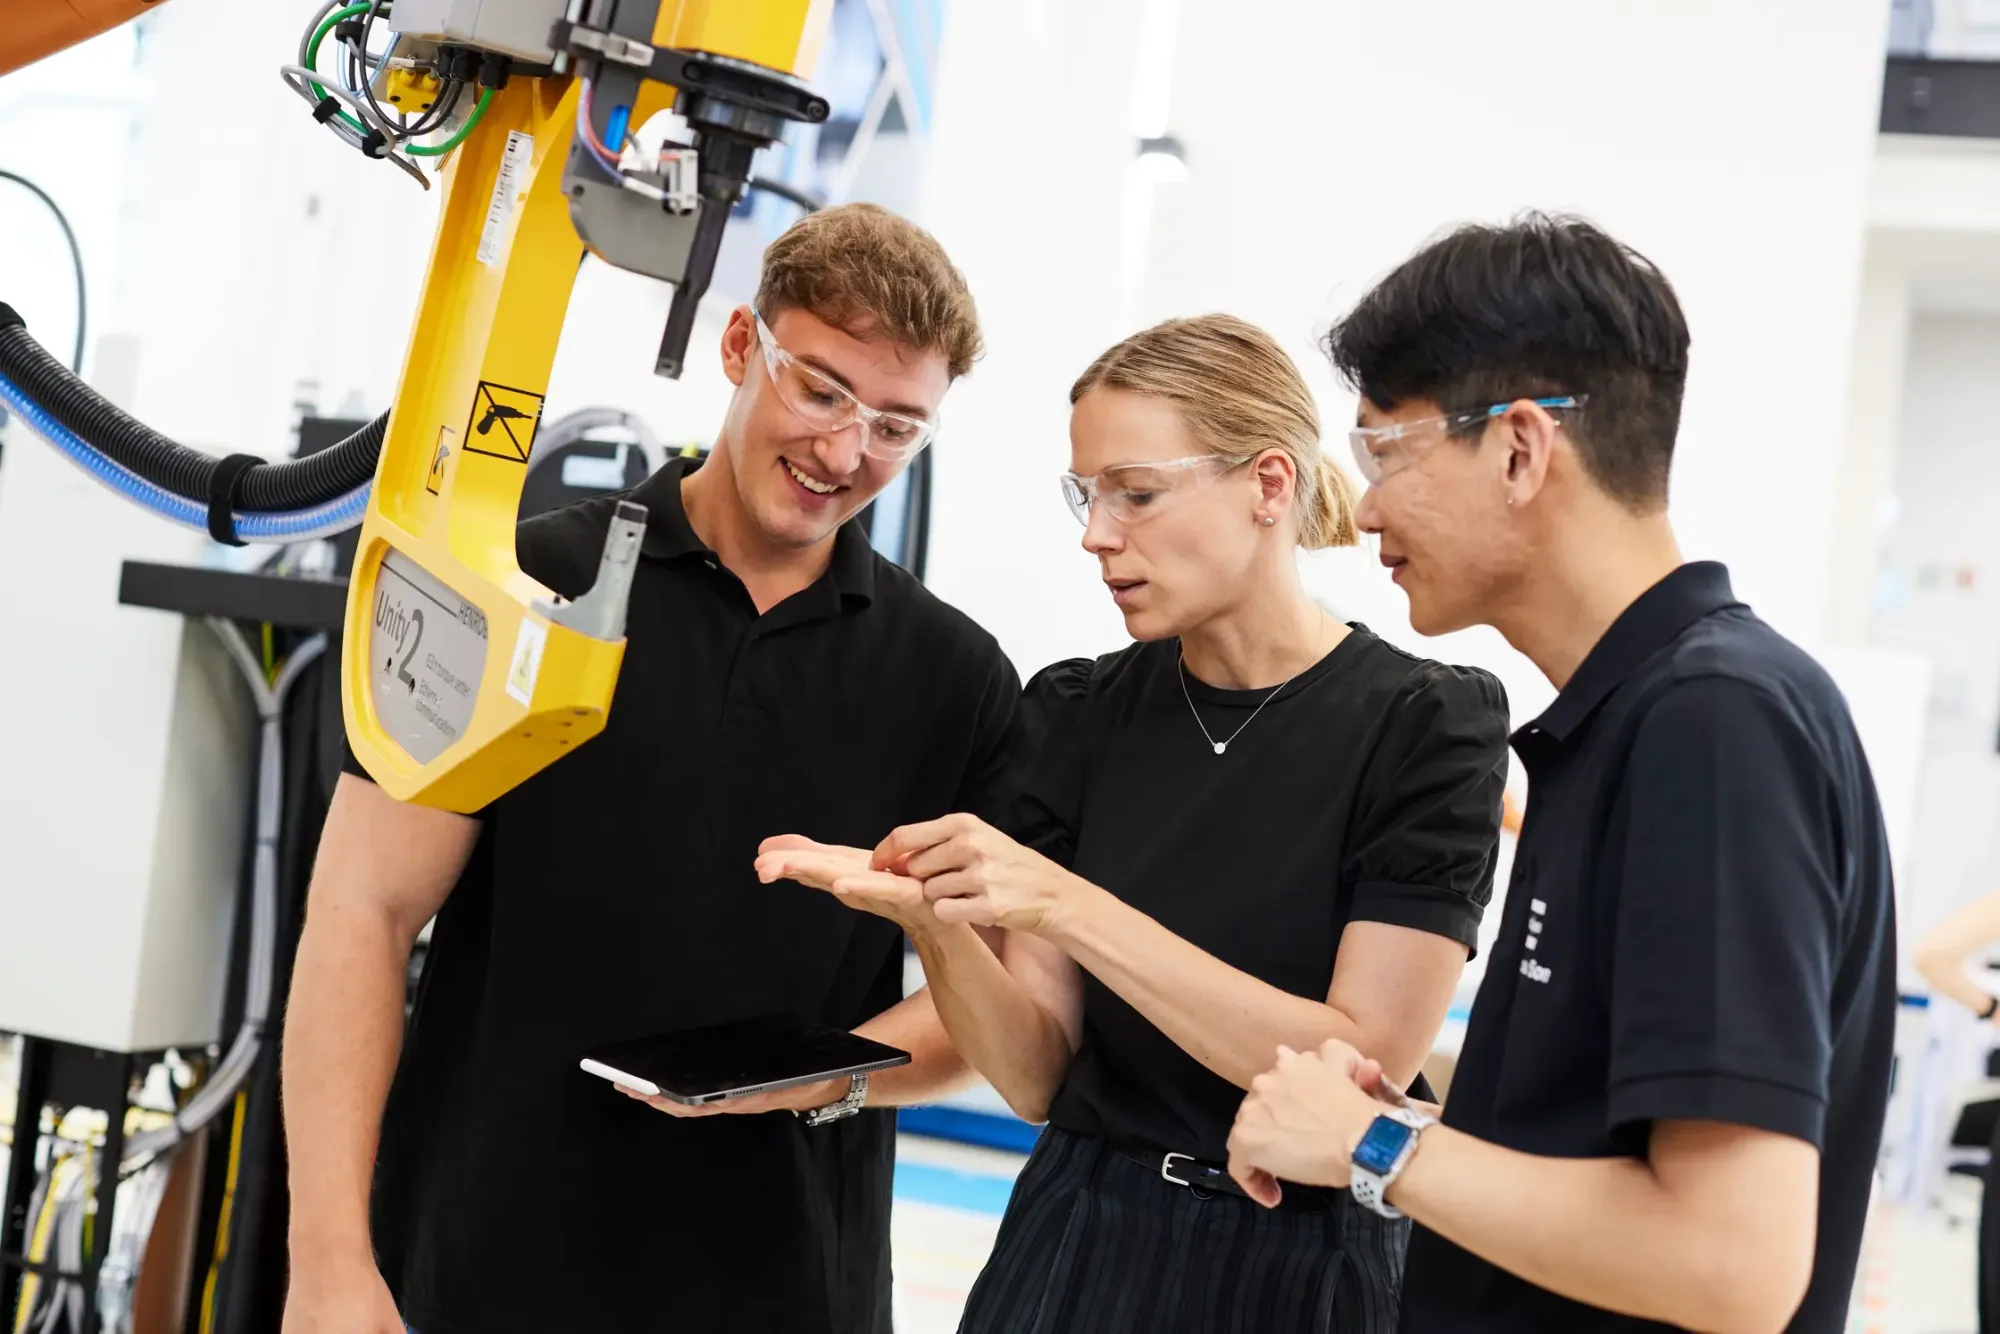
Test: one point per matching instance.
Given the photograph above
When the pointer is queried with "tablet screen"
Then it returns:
(746, 1056)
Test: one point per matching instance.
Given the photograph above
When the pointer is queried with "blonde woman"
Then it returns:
(1254, 828)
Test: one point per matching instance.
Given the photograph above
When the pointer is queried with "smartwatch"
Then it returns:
(1385, 1149)
(857, 1093)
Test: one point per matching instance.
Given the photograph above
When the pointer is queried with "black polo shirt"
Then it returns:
(1700, 926)
(613, 896)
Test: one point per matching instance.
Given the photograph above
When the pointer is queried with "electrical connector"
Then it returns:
(411, 91)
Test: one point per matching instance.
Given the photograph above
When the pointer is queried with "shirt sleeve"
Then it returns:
(1727, 920)
(1045, 794)
(1428, 814)
(989, 774)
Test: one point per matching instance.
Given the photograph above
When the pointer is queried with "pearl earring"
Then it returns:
(1267, 520)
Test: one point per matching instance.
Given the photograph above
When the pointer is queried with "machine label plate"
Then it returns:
(507, 194)
(426, 655)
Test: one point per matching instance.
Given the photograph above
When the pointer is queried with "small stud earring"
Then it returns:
(1267, 520)
(1510, 502)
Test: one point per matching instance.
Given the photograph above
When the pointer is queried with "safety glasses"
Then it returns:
(1382, 451)
(825, 404)
(1131, 492)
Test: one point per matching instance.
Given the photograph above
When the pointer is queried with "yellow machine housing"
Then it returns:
(461, 676)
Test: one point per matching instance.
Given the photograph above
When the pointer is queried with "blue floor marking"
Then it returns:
(967, 1126)
(924, 1184)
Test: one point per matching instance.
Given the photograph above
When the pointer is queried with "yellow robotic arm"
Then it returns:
(461, 676)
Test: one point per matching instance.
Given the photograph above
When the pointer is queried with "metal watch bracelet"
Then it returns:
(847, 1105)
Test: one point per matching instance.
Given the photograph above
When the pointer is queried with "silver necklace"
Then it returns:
(1223, 745)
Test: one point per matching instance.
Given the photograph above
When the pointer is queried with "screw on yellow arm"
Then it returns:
(461, 676)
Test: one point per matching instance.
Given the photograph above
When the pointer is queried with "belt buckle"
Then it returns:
(1166, 1169)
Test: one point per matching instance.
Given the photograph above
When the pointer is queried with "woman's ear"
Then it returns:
(1277, 481)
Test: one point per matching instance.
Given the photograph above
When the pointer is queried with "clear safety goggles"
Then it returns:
(1131, 492)
(825, 404)
(1381, 451)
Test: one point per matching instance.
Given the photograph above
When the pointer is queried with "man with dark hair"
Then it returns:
(1671, 1092)
(778, 675)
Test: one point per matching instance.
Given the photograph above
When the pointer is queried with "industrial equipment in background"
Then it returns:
(528, 115)
(462, 676)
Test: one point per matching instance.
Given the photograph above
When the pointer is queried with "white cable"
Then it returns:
(298, 76)
(220, 1088)
(305, 34)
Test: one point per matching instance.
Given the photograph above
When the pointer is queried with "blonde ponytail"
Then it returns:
(1327, 508)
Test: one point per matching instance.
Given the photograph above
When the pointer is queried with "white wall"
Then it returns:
(1743, 178)
(1027, 167)
(84, 96)
(1326, 141)
(1939, 596)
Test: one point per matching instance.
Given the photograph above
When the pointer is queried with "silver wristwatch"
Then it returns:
(857, 1094)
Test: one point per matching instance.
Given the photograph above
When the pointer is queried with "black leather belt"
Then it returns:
(1202, 1178)
(1183, 1170)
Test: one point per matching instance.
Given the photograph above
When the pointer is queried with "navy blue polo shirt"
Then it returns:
(1700, 926)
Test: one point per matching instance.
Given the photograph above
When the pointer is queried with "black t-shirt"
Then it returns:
(1368, 789)
(613, 896)
(1700, 926)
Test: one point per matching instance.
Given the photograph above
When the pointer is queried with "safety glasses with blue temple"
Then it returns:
(1383, 451)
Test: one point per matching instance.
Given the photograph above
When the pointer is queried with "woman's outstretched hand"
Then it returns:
(971, 872)
(846, 874)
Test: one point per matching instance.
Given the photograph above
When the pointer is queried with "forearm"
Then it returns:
(343, 1030)
(994, 1023)
(1231, 1022)
(936, 1067)
(1945, 971)
(1604, 1231)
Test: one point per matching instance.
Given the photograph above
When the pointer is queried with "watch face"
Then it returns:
(1379, 1148)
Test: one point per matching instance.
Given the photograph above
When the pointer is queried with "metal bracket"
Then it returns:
(739, 83)
(600, 613)
(576, 39)
(680, 176)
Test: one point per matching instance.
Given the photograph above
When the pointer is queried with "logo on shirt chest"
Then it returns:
(1532, 968)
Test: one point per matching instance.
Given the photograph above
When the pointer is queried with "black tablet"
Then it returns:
(705, 1065)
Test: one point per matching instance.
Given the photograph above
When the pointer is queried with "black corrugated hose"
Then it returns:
(265, 488)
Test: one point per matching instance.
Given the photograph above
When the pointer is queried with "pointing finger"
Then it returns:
(910, 839)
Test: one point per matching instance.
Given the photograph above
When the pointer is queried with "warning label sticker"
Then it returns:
(439, 458)
(427, 653)
(503, 422)
(526, 665)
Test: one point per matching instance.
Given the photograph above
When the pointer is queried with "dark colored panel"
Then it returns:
(1959, 98)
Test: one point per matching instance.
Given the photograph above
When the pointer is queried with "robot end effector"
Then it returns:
(667, 218)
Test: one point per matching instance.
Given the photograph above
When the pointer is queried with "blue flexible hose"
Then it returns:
(337, 515)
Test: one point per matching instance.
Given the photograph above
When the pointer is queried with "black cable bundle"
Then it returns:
(266, 488)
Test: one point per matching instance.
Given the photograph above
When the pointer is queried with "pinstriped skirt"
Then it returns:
(1093, 1243)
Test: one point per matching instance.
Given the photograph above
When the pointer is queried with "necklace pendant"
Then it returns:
(1221, 746)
